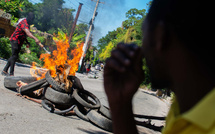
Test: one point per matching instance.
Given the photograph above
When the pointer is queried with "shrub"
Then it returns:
(29, 58)
(35, 52)
(5, 48)
(34, 47)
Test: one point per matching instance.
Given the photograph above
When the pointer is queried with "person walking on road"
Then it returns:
(88, 67)
(177, 46)
(17, 39)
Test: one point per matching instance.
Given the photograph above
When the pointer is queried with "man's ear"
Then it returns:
(161, 36)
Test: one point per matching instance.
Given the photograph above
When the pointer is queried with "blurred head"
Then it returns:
(30, 18)
(188, 23)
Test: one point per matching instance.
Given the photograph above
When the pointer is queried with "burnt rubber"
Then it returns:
(32, 86)
(100, 120)
(54, 83)
(105, 111)
(80, 94)
(10, 81)
(76, 82)
(58, 97)
(50, 107)
(82, 114)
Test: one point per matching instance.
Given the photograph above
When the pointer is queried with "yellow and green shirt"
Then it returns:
(198, 120)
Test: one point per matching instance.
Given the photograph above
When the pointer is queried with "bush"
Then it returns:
(35, 52)
(34, 47)
(29, 58)
(147, 80)
(5, 47)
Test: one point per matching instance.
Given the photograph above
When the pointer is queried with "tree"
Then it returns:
(50, 15)
(130, 33)
(103, 42)
(134, 16)
(12, 7)
(81, 28)
(106, 52)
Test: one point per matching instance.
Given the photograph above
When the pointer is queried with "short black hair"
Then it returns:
(191, 20)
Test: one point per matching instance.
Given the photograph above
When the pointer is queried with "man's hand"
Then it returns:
(29, 34)
(41, 45)
(123, 73)
(122, 76)
(37, 41)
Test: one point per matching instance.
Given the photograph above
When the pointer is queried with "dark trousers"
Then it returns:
(15, 54)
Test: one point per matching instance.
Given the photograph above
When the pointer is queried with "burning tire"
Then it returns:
(58, 97)
(100, 120)
(54, 83)
(105, 111)
(82, 97)
(33, 86)
(50, 107)
(10, 81)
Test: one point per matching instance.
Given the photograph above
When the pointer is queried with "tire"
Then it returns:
(10, 81)
(76, 82)
(58, 97)
(49, 106)
(32, 86)
(80, 114)
(105, 111)
(76, 94)
(54, 83)
(100, 120)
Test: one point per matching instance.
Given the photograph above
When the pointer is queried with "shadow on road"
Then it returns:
(91, 131)
(153, 94)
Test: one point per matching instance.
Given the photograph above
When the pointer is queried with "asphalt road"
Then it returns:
(18, 115)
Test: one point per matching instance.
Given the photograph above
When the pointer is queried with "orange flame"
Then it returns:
(60, 57)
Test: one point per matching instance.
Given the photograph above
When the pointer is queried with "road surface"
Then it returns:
(18, 115)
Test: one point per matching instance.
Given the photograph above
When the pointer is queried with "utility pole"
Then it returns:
(89, 32)
(75, 21)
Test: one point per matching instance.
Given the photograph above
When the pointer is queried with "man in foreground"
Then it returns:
(17, 39)
(177, 45)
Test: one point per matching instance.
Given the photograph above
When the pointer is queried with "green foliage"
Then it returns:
(35, 52)
(81, 29)
(147, 77)
(12, 6)
(29, 58)
(77, 37)
(34, 47)
(89, 55)
(106, 52)
(14, 20)
(103, 42)
(95, 60)
(50, 15)
(5, 48)
(130, 33)
(134, 16)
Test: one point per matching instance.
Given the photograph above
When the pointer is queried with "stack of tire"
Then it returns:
(56, 100)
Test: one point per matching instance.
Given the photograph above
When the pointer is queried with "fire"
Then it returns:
(60, 57)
